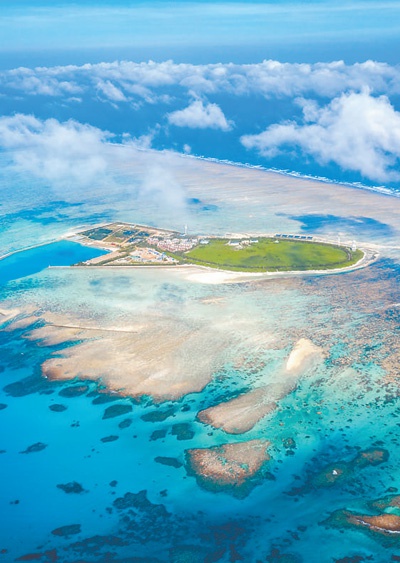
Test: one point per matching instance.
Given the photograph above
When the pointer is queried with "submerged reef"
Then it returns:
(71, 488)
(116, 410)
(74, 391)
(158, 415)
(276, 556)
(170, 461)
(182, 431)
(57, 407)
(383, 503)
(37, 447)
(384, 527)
(323, 411)
(340, 472)
(231, 468)
(68, 530)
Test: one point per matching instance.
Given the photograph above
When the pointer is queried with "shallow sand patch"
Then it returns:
(230, 467)
(51, 335)
(201, 274)
(160, 350)
(381, 523)
(303, 356)
(163, 360)
(8, 314)
(18, 318)
(242, 413)
(19, 324)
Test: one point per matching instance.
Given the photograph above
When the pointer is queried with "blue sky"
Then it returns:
(314, 88)
(44, 32)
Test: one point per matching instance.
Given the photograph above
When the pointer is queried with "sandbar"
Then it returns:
(303, 355)
(240, 415)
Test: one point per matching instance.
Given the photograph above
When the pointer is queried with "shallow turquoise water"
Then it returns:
(330, 417)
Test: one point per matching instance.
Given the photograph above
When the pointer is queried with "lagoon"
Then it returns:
(60, 253)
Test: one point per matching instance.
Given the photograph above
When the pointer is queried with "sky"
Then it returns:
(295, 31)
(309, 87)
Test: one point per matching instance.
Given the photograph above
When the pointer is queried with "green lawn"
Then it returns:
(268, 255)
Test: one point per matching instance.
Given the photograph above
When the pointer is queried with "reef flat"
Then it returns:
(236, 413)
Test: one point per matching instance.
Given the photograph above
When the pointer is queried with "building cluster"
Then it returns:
(296, 237)
(241, 243)
(149, 255)
(173, 244)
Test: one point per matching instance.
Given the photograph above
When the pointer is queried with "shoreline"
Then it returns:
(219, 276)
(370, 255)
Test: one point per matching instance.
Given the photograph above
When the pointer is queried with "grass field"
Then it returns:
(268, 255)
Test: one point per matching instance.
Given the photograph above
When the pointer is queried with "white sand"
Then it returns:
(302, 356)
(6, 314)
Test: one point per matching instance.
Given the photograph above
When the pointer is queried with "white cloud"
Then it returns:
(348, 122)
(200, 116)
(272, 78)
(356, 131)
(143, 142)
(58, 153)
(268, 78)
(111, 92)
(161, 188)
(79, 161)
(39, 82)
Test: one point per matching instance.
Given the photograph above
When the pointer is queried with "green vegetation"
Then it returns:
(272, 255)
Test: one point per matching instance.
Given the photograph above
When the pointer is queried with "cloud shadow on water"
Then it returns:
(354, 225)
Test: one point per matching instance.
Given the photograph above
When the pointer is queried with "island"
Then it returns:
(141, 245)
